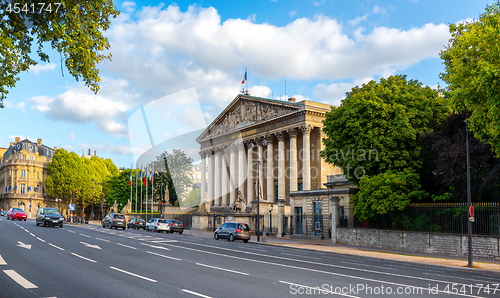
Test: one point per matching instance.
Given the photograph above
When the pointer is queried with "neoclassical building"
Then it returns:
(22, 175)
(280, 138)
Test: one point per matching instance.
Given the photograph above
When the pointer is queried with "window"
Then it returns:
(17, 156)
(23, 173)
(31, 157)
(10, 173)
(300, 187)
(24, 156)
(23, 187)
(38, 175)
(276, 192)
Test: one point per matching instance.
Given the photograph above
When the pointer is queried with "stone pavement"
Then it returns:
(396, 255)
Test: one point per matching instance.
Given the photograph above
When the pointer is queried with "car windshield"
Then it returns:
(51, 212)
(17, 210)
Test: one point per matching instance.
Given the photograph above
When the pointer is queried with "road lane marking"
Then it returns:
(85, 235)
(90, 245)
(334, 273)
(163, 256)
(194, 293)
(83, 257)
(283, 253)
(322, 291)
(56, 246)
(32, 234)
(133, 274)
(102, 239)
(2, 262)
(154, 246)
(160, 241)
(40, 239)
(71, 231)
(19, 279)
(218, 268)
(20, 244)
(126, 245)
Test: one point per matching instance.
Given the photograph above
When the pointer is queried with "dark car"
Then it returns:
(175, 226)
(49, 217)
(114, 220)
(136, 223)
(233, 231)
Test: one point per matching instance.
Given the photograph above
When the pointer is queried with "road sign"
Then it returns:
(71, 207)
(30, 206)
(471, 211)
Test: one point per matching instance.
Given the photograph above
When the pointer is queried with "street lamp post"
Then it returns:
(58, 201)
(92, 211)
(250, 146)
(270, 220)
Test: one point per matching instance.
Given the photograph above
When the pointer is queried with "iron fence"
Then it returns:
(308, 225)
(434, 218)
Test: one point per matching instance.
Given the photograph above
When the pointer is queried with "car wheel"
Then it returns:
(7, 218)
(37, 224)
(123, 228)
(103, 227)
(25, 219)
(246, 240)
(180, 232)
(216, 236)
(61, 225)
(230, 238)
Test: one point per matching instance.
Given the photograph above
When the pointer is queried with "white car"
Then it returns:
(158, 225)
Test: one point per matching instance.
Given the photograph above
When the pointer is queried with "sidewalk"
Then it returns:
(405, 256)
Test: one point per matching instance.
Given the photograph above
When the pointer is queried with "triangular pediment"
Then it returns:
(245, 111)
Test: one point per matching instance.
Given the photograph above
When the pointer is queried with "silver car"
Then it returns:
(233, 231)
(158, 225)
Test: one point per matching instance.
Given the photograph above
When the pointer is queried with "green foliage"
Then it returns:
(177, 169)
(75, 31)
(444, 197)
(472, 72)
(119, 189)
(193, 198)
(386, 192)
(378, 127)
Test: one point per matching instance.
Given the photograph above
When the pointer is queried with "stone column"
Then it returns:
(233, 179)
(211, 177)
(281, 212)
(271, 197)
(281, 165)
(203, 177)
(225, 179)
(250, 186)
(241, 168)
(260, 151)
(306, 156)
(334, 203)
(293, 159)
(217, 178)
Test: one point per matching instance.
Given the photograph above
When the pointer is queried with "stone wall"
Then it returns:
(483, 247)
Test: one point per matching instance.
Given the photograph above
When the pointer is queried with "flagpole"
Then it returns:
(136, 188)
(131, 167)
(141, 189)
(246, 79)
(152, 187)
(145, 178)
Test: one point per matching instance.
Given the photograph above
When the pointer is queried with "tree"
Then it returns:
(378, 127)
(193, 198)
(119, 189)
(472, 73)
(74, 29)
(63, 175)
(177, 177)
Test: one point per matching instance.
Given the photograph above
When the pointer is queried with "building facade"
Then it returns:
(23, 172)
(276, 143)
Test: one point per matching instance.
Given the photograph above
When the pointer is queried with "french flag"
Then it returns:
(151, 176)
(245, 78)
(130, 181)
(145, 175)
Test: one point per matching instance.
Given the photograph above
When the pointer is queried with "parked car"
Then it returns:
(3, 213)
(136, 223)
(114, 220)
(16, 213)
(49, 217)
(233, 231)
(175, 226)
(158, 225)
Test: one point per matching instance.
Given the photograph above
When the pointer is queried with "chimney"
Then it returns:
(291, 99)
(55, 148)
(95, 153)
(39, 142)
(89, 151)
(18, 139)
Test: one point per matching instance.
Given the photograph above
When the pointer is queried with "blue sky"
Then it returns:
(159, 49)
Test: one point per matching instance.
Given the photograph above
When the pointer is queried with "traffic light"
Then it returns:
(160, 207)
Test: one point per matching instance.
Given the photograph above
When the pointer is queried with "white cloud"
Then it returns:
(71, 136)
(37, 69)
(79, 104)
(358, 20)
(128, 4)
(334, 93)
(293, 13)
(20, 105)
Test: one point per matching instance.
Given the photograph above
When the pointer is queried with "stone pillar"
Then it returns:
(203, 177)
(233, 179)
(225, 179)
(293, 159)
(241, 168)
(281, 212)
(260, 151)
(271, 197)
(217, 178)
(334, 203)
(306, 157)
(210, 177)
(281, 165)
(250, 186)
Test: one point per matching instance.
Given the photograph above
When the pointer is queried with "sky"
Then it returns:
(190, 57)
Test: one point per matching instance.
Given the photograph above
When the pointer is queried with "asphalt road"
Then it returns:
(89, 261)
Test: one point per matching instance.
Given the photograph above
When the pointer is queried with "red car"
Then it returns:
(16, 213)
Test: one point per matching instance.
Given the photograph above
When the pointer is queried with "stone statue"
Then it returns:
(240, 200)
(259, 189)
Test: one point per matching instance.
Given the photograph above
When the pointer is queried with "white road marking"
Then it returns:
(84, 235)
(102, 239)
(160, 255)
(354, 263)
(154, 246)
(2, 262)
(40, 239)
(83, 258)
(19, 279)
(196, 294)
(322, 291)
(32, 234)
(160, 241)
(56, 246)
(126, 245)
(90, 245)
(133, 274)
(218, 268)
(283, 253)
(71, 231)
(20, 244)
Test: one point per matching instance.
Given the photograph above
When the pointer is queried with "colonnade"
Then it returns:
(227, 169)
